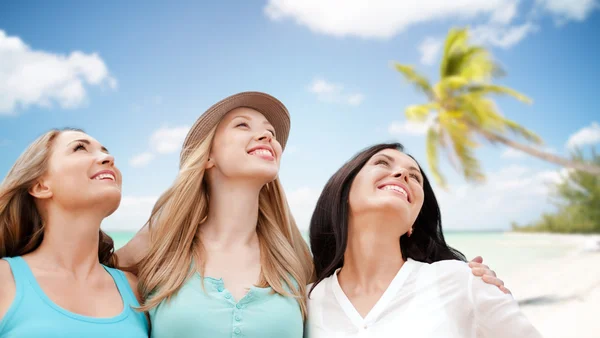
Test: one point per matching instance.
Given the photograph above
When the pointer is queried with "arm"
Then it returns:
(133, 252)
(133, 283)
(7, 288)
(496, 313)
(486, 274)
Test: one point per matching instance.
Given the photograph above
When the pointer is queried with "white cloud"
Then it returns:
(505, 14)
(511, 193)
(577, 10)
(585, 136)
(168, 140)
(430, 49)
(132, 214)
(141, 160)
(501, 36)
(29, 77)
(380, 19)
(401, 128)
(302, 203)
(165, 140)
(334, 93)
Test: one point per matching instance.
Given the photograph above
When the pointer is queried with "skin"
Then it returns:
(378, 218)
(235, 179)
(236, 175)
(73, 205)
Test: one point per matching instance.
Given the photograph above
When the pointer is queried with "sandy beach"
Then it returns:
(561, 296)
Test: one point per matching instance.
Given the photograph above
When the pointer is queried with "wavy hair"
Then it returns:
(21, 225)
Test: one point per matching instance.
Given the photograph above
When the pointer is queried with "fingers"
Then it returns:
(477, 259)
(483, 271)
(493, 280)
(505, 290)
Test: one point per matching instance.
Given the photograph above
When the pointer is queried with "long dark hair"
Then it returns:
(329, 223)
(21, 226)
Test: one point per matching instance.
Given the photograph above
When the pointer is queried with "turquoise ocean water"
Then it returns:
(505, 252)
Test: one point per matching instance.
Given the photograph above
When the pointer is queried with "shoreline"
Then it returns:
(561, 295)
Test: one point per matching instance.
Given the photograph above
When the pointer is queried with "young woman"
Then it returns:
(383, 268)
(56, 278)
(224, 257)
(221, 255)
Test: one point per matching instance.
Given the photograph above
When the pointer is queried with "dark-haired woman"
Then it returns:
(383, 268)
(57, 276)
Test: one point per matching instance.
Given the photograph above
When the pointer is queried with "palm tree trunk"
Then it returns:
(492, 137)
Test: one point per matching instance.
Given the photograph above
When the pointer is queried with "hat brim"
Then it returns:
(273, 110)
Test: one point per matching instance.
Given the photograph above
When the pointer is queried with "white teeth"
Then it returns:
(395, 188)
(103, 176)
(261, 152)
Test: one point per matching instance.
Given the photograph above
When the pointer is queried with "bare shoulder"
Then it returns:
(7, 287)
(133, 283)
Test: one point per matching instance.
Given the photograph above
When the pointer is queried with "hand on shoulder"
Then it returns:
(7, 287)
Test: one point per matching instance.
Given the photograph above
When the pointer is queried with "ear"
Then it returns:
(210, 163)
(40, 190)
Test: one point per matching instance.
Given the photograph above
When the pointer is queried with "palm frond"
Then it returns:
(433, 139)
(419, 112)
(419, 81)
(484, 89)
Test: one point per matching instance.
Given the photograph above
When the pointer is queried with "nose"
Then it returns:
(265, 136)
(104, 158)
(402, 174)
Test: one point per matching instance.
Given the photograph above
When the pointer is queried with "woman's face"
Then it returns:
(390, 182)
(82, 174)
(245, 147)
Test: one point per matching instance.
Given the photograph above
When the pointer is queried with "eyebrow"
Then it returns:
(248, 118)
(88, 143)
(413, 168)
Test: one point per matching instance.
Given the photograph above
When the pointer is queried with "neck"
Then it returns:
(232, 215)
(70, 241)
(373, 257)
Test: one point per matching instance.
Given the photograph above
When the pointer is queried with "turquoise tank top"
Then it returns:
(33, 314)
(213, 313)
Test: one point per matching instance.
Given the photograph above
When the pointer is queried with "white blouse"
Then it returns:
(423, 300)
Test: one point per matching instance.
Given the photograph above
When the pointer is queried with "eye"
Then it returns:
(384, 162)
(272, 132)
(242, 124)
(416, 177)
(79, 146)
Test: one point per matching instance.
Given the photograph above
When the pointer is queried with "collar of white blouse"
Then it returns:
(383, 302)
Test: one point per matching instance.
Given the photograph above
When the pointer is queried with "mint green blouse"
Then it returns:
(213, 313)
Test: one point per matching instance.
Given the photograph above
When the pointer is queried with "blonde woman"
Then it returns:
(221, 255)
(56, 278)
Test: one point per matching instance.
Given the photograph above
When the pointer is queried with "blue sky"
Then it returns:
(136, 75)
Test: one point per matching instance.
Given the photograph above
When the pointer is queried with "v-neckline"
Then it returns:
(381, 304)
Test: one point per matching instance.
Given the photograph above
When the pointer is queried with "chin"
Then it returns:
(266, 174)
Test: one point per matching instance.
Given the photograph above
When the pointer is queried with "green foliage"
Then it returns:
(578, 203)
(460, 105)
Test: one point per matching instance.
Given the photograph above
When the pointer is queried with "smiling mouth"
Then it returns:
(102, 177)
(265, 154)
(396, 189)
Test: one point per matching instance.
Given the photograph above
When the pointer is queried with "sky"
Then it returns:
(135, 75)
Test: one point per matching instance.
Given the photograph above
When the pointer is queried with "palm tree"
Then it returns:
(459, 109)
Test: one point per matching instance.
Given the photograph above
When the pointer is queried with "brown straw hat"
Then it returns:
(264, 103)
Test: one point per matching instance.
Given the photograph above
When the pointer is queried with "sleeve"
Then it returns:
(497, 315)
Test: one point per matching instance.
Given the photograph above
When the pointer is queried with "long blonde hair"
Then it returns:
(21, 225)
(175, 245)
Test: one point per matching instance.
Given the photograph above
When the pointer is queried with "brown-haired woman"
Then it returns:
(383, 268)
